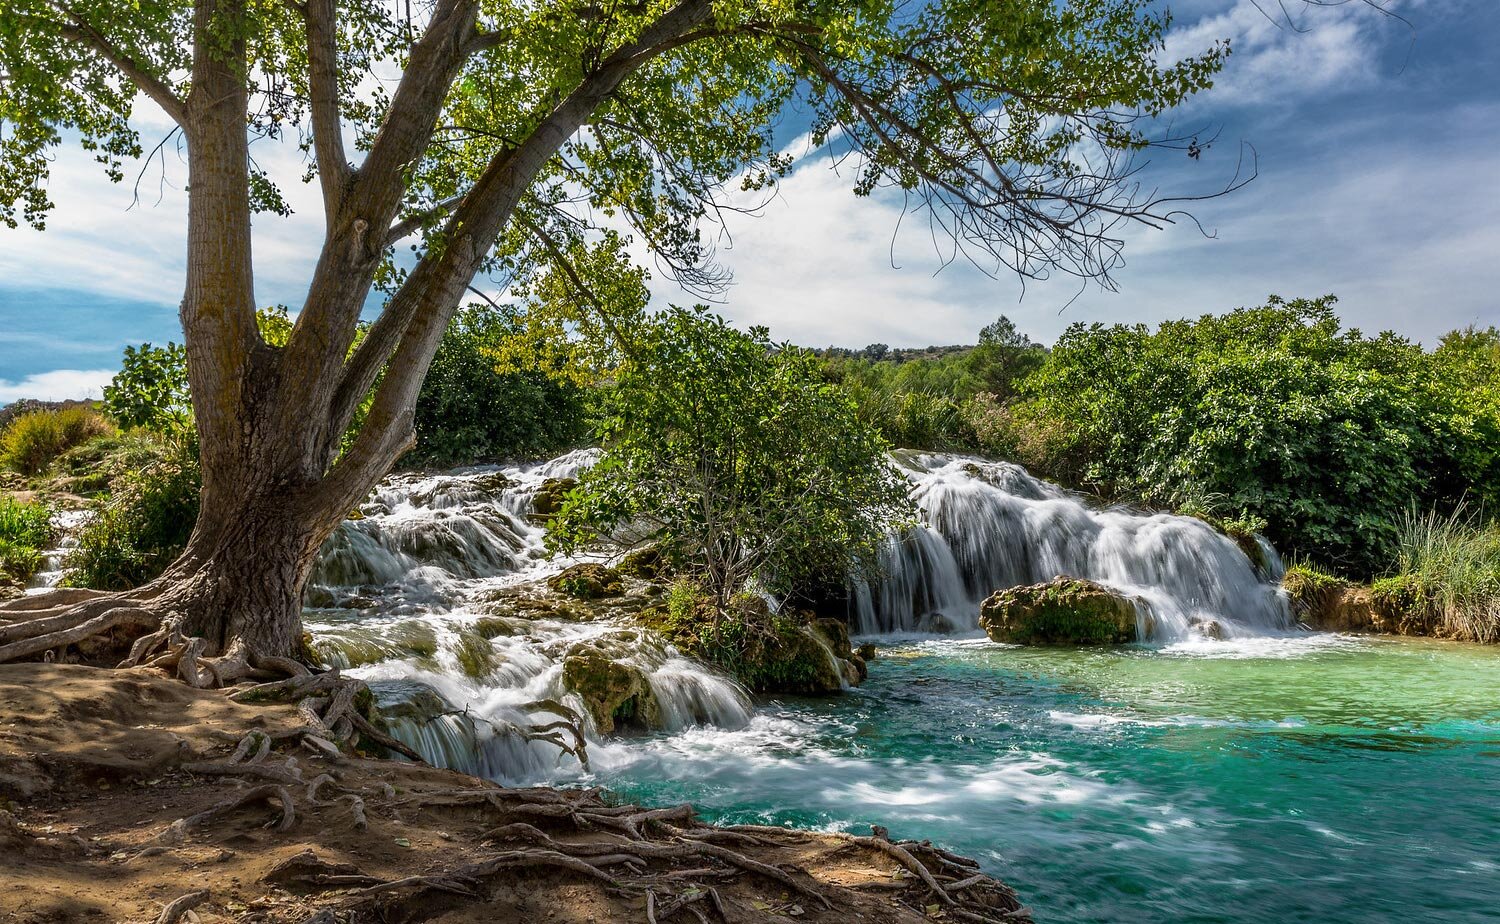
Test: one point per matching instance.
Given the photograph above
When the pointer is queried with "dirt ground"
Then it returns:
(102, 773)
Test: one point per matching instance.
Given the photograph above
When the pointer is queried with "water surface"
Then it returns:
(1304, 778)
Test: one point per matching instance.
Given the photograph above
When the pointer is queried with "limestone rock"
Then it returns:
(1063, 611)
(588, 581)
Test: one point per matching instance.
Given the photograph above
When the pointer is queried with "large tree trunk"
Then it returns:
(270, 420)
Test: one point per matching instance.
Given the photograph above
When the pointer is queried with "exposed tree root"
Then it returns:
(174, 911)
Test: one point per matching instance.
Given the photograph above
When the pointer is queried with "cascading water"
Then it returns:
(414, 595)
(988, 525)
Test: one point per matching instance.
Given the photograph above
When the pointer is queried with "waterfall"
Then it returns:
(986, 526)
(409, 595)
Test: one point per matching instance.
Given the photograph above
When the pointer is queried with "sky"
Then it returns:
(1376, 144)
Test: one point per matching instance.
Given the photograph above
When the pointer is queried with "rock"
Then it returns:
(588, 581)
(938, 623)
(615, 693)
(548, 499)
(835, 633)
(866, 652)
(647, 563)
(1063, 611)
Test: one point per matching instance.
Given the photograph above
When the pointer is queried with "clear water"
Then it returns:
(1277, 776)
(1314, 778)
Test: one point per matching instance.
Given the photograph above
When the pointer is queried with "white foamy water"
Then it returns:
(992, 525)
(405, 595)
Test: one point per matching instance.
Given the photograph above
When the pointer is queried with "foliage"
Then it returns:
(1325, 434)
(25, 530)
(1449, 565)
(33, 440)
(151, 389)
(1464, 388)
(738, 456)
(763, 649)
(939, 398)
(143, 524)
(468, 411)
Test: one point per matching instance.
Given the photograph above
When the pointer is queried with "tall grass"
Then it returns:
(33, 440)
(1452, 565)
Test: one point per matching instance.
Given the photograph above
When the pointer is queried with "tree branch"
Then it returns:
(323, 88)
(81, 32)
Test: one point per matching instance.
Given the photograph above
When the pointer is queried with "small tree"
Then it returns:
(737, 457)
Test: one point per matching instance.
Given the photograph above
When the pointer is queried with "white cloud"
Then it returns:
(129, 239)
(57, 385)
(1278, 56)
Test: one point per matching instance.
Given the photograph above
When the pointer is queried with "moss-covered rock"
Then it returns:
(588, 581)
(1063, 611)
(1398, 605)
(548, 499)
(647, 563)
(767, 652)
(616, 694)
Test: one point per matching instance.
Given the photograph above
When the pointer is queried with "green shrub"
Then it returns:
(25, 530)
(739, 457)
(1450, 565)
(468, 411)
(151, 389)
(33, 440)
(142, 525)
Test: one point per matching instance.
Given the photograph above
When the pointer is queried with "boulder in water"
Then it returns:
(548, 499)
(1063, 611)
(588, 581)
(616, 693)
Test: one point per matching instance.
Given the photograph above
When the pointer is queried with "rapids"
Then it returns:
(1268, 775)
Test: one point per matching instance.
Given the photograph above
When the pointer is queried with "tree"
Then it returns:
(737, 457)
(511, 133)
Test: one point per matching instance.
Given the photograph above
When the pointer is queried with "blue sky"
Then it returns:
(1379, 181)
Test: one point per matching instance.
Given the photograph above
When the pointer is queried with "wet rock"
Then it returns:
(867, 652)
(616, 693)
(647, 563)
(548, 499)
(1063, 611)
(938, 623)
(588, 581)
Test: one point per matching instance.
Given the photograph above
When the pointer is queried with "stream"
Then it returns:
(1230, 768)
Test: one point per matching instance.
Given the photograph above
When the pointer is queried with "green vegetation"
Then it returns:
(34, 440)
(1448, 569)
(940, 397)
(25, 531)
(469, 411)
(143, 523)
(737, 456)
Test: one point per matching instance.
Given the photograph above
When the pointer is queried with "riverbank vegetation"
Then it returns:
(1367, 454)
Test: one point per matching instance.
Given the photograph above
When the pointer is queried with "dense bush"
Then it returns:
(143, 524)
(737, 456)
(25, 531)
(469, 411)
(151, 389)
(935, 398)
(1275, 411)
(33, 440)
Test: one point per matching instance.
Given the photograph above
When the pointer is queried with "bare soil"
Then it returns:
(102, 773)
